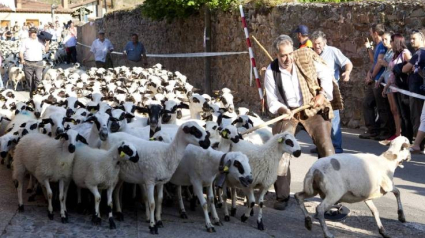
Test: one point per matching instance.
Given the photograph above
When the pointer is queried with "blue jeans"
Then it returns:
(336, 133)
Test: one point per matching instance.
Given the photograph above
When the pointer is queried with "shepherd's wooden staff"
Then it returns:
(262, 47)
(272, 121)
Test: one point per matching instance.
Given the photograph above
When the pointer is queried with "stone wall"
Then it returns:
(346, 25)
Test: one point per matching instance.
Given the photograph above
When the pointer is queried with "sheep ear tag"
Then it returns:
(152, 139)
(226, 169)
(92, 110)
(280, 140)
(122, 154)
(224, 134)
(74, 122)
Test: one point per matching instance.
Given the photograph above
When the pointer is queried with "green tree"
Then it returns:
(170, 9)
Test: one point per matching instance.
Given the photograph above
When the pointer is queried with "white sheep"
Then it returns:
(96, 169)
(48, 160)
(264, 162)
(354, 178)
(200, 167)
(16, 75)
(158, 162)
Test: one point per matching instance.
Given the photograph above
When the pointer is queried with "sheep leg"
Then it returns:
(117, 199)
(49, 198)
(145, 199)
(233, 209)
(260, 224)
(150, 189)
(181, 204)
(160, 197)
(325, 205)
(134, 192)
(225, 208)
(19, 182)
(30, 186)
(62, 200)
(79, 205)
(197, 190)
(375, 213)
(66, 187)
(214, 214)
(400, 210)
(300, 200)
(110, 208)
(220, 198)
(96, 217)
(251, 204)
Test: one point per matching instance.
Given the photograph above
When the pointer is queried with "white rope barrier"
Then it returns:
(415, 95)
(182, 55)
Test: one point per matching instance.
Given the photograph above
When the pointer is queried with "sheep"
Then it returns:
(170, 111)
(99, 129)
(354, 178)
(259, 137)
(54, 116)
(264, 162)
(214, 131)
(16, 75)
(199, 168)
(96, 169)
(48, 160)
(158, 162)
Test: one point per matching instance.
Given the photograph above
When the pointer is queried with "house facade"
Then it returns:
(35, 12)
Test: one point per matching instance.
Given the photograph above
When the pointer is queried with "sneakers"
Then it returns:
(368, 135)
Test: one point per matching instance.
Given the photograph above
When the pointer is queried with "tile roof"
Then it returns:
(36, 7)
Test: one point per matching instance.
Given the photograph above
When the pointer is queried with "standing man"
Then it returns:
(291, 81)
(101, 49)
(336, 61)
(31, 55)
(70, 42)
(375, 129)
(302, 36)
(15, 31)
(414, 67)
(134, 50)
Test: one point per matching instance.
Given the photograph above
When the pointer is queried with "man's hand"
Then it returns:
(368, 78)
(285, 111)
(346, 76)
(319, 100)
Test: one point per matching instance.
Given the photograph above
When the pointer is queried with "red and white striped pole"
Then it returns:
(251, 53)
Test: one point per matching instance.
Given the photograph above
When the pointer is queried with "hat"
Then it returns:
(302, 29)
(101, 32)
(33, 30)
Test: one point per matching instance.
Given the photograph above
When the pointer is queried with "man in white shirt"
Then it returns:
(291, 81)
(101, 49)
(31, 56)
(23, 33)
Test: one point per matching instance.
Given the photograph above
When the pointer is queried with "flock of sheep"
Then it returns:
(101, 128)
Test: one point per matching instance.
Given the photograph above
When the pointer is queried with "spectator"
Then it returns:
(2, 33)
(101, 49)
(134, 50)
(401, 56)
(385, 77)
(8, 35)
(70, 42)
(31, 55)
(336, 61)
(40, 26)
(52, 31)
(23, 33)
(15, 31)
(72, 28)
(373, 96)
(287, 89)
(1, 79)
(302, 36)
(414, 67)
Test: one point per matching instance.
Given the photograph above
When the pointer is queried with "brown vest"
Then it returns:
(306, 71)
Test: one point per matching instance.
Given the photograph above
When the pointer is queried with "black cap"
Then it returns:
(302, 29)
(33, 30)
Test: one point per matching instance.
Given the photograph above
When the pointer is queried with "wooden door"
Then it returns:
(35, 22)
(5, 23)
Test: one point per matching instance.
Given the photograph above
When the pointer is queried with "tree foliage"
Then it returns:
(170, 9)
